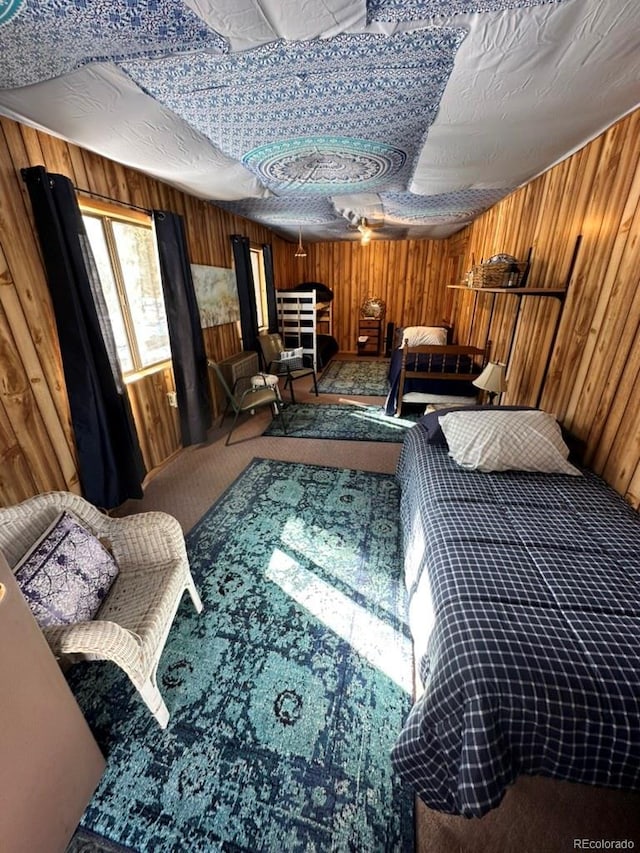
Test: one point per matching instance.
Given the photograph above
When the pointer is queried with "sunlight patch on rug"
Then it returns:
(372, 638)
(345, 421)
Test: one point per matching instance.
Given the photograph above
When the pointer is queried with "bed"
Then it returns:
(305, 319)
(425, 368)
(524, 606)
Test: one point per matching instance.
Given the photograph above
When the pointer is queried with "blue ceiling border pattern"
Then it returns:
(421, 10)
(88, 31)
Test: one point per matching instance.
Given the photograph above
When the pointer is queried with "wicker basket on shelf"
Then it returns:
(502, 273)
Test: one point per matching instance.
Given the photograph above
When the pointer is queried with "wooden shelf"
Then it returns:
(558, 292)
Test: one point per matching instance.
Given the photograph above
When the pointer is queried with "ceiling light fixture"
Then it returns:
(300, 251)
(365, 231)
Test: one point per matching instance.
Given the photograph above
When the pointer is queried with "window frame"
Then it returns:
(259, 286)
(107, 213)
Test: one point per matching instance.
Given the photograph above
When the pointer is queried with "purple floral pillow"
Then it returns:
(66, 574)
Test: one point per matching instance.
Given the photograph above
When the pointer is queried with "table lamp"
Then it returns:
(492, 380)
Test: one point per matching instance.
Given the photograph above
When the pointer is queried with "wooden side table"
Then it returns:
(371, 329)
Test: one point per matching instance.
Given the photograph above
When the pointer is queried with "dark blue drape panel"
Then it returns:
(246, 292)
(109, 458)
(272, 308)
(185, 333)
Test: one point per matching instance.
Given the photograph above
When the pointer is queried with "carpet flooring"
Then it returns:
(359, 378)
(287, 692)
(345, 422)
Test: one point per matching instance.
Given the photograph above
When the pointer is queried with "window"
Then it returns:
(125, 253)
(260, 287)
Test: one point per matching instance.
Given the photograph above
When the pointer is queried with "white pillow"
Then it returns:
(296, 352)
(507, 441)
(417, 336)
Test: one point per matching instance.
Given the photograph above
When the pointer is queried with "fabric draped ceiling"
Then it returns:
(110, 464)
(185, 333)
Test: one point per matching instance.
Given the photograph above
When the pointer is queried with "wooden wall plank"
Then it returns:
(23, 262)
(613, 335)
(16, 481)
(23, 414)
(158, 430)
(22, 342)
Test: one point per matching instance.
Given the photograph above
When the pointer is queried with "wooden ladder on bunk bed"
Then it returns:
(297, 321)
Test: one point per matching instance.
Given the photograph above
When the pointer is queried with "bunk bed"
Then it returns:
(425, 368)
(305, 319)
(524, 608)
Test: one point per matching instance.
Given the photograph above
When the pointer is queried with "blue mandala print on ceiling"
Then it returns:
(361, 90)
(324, 164)
(417, 10)
(95, 31)
(9, 9)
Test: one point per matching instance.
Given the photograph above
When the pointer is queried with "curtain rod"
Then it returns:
(115, 200)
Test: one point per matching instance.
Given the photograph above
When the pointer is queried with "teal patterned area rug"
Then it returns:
(286, 694)
(344, 422)
(360, 378)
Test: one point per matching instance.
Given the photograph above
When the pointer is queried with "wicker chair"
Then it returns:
(133, 622)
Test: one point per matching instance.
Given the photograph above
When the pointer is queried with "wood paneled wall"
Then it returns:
(592, 383)
(37, 448)
(593, 380)
(407, 275)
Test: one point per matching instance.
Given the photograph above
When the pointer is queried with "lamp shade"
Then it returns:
(492, 378)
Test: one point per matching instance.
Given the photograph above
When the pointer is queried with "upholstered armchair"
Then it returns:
(133, 621)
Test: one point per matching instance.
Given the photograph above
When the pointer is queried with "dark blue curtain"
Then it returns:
(110, 463)
(185, 332)
(272, 308)
(246, 292)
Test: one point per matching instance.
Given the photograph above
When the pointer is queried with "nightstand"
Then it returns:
(371, 329)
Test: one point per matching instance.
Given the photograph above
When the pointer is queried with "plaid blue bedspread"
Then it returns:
(524, 604)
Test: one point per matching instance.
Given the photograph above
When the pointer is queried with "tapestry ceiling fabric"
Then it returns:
(416, 115)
